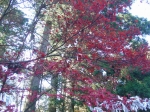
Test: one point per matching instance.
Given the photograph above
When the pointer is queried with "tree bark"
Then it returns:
(52, 103)
(68, 101)
(35, 81)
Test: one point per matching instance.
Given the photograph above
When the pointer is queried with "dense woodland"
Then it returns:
(73, 56)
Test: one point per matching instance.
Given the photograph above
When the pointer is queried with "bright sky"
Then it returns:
(141, 10)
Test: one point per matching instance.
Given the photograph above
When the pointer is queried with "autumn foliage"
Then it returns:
(86, 39)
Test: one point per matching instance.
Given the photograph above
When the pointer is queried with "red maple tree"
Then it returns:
(82, 40)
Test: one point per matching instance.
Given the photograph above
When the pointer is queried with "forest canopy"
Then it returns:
(73, 56)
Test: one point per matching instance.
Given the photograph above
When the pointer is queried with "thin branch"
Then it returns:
(5, 12)
(32, 28)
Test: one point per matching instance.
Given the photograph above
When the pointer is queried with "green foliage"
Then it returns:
(137, 42)
(134, 88)
(137, 85)
(14, 23)
(96, 72)
(129, 20)
(12, 20)
(13, 26)
(56, 103)
(78, 103)
(107, 67)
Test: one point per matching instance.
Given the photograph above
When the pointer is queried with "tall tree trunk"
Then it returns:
(68, 101)
(52, 103)
(35, 81)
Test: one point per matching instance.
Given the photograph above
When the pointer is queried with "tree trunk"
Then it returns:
(52, 103)
(35, 81)
(68, 101)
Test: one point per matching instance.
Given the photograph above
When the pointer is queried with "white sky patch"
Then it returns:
(141, 9)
